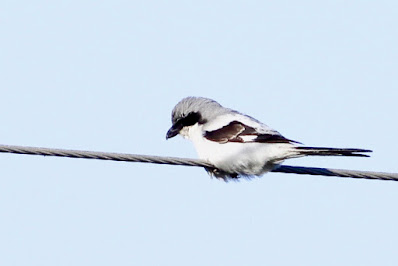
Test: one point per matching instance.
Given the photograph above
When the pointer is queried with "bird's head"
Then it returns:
(190, 111)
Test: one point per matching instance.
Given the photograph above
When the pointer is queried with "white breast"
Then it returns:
(235, 157)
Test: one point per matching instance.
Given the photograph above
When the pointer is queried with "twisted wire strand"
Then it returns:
(188, 162)
(336, 172)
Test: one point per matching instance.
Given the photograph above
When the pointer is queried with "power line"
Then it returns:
(188, 162)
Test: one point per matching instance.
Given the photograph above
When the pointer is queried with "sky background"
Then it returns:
(105, 75)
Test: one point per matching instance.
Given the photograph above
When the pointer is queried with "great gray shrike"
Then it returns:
(235, 143)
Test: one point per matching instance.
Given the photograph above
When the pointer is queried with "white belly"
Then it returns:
(235, 157)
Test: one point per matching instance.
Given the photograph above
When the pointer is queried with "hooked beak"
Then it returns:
(173, 131)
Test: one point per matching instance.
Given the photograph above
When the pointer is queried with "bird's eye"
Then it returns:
(190, 119)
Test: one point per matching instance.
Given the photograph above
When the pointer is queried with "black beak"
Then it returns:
(173, 131)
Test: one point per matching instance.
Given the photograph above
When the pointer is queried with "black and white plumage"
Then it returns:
(235, 143)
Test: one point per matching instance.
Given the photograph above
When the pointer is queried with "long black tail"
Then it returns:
(320, 151)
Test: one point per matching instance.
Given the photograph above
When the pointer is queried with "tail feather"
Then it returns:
(321, 151)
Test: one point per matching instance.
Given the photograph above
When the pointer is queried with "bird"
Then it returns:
(237, 144)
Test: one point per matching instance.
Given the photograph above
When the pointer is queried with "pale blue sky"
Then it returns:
(104, 75)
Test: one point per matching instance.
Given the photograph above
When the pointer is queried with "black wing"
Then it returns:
(235, 131)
